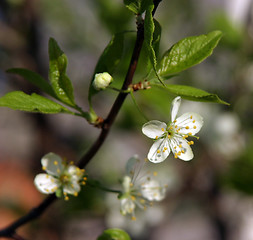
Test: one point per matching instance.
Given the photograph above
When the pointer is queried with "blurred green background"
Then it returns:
(208, 198)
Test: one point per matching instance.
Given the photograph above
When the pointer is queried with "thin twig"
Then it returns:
(10, 231)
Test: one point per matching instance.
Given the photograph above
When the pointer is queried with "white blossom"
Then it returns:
(102, 80)
(139, 192)
(60, 177)
(172, 136)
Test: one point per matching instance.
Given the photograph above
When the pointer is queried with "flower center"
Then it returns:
(65, 178)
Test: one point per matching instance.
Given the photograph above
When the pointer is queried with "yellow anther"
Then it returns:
(47, 176)
(133, 198)
(158, 151)
(58, 170)
(82, 170)
(46, 190)
(179, 153)
(66, 198)
(185, 136)
(52, 180)
(176, 156)
(75, 194)
(55, 163)
(176, 126)
(187, 127)
(194, 121)
(180, 145)
(175, 121)
(155, 173)
(84, 178)
(165, 148)
(71, 163)
(83, 183)
(182, 151)
(175, 147)
(44, 168)
(156, 137)
(142, 201)
(194, 127)
(65, 193)
(168, 136)
(163, 129)
(133, 218)
(191, 143)
(189, 133)
(191, 117)
(171, 128)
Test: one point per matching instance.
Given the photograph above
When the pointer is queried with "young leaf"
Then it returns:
(18, 100)
(35, 79)
(188, 52)
(149, 28)
(109, 59)
(136, 6)
(194, 94)
(57, 74)
(114, 234)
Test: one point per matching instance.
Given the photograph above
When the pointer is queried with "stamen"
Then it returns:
(180, 145)
(66, 198)
(75, 194)
(194, 127)
(133, 218)
(156, 137)
(165, 148)
(189, 133)
(155, 173)
(187, 127)
(163, 129)
(158, 151)
(191, 117)
(44, 168)
(133, 198)
(168, 136)
(194, 121)
(55, 163)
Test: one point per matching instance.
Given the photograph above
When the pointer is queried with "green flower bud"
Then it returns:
(102, 80)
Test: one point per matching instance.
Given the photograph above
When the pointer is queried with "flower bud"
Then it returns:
(102, 80)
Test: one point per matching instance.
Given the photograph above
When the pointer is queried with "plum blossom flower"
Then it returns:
(172, 136)
(60, 177)
(139, 192)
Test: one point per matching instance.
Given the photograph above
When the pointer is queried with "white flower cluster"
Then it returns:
(172, 137)
(60, 178)
(139, 192)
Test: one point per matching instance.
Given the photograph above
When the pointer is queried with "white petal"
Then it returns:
(181, 148)
(174, 107)
(75, 173)
(152, 190)
(189, 123)
(46, 183)
(52, 163)
(159, 151)
(71, 188)
(154, 129)
(127, 206)
(132, 164)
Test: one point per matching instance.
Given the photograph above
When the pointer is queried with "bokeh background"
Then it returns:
(208, 198)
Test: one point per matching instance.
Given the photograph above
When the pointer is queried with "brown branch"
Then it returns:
(10, 231)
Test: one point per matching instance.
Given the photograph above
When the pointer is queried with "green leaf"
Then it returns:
(194, 94)
(57, 74)
(136, 6)
(109, 59)
(149, 28)
(188, 52)
(114, 234)
(35, 79)
(18, 100)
